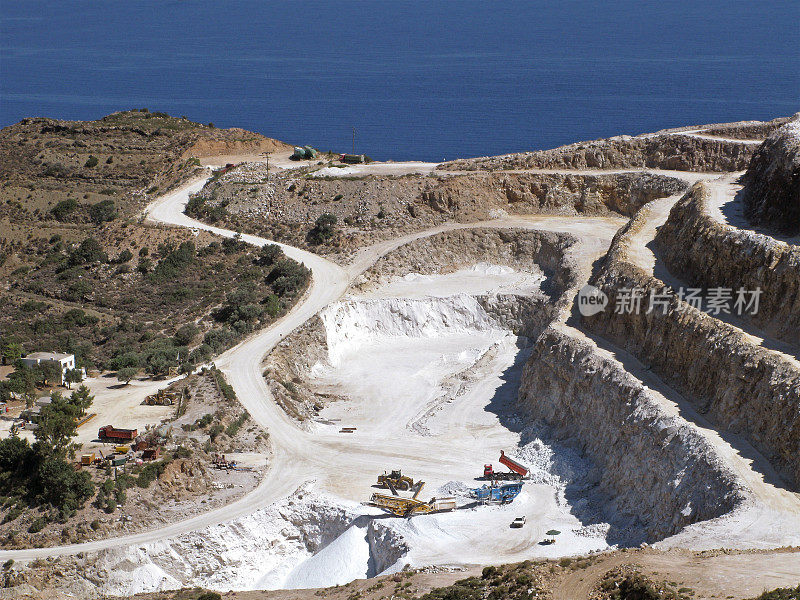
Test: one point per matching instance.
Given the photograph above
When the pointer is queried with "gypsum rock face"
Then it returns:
(657, 151)
(705, 253)
(658, 473)
(740, 387)
(772, 181)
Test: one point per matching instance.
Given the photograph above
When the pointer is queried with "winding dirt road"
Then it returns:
(300, 456)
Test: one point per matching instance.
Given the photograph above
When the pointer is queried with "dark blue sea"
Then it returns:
(417, 79)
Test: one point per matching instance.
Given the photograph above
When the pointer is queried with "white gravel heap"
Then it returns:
(307, 540)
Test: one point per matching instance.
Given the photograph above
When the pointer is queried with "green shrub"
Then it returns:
(233, 244)
(227, 390)
(269, 254)
(288, 277)
(150, 472)
(144, 266)
(64, 209)
(233, 428)
(324, 229)
(781, 594)
(91, 162)
(272, 305)
(89, 251)
(103, 211)
(12, 514)
(111, 505)
(219, 338)
(204, 421)
(215, 430)
(185, 334)
(37, 525)
(174, 263)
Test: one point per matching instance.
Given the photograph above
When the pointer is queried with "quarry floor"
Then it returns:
(400, 390)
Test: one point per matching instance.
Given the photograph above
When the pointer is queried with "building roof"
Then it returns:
(49, 356)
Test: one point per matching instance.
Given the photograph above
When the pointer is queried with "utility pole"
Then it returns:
(354, 140)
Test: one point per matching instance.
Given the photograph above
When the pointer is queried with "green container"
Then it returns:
(118, 461)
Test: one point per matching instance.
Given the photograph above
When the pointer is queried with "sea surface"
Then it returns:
(420, 80)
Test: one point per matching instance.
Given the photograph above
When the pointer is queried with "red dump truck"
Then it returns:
(111, 433)
(518, 471)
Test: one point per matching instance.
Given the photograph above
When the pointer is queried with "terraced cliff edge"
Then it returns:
(706, 253)
(772, 181)
(659, 474)
(672, 151)
(452, 250)
(739, 386)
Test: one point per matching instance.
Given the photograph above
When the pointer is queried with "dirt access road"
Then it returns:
(300, 456)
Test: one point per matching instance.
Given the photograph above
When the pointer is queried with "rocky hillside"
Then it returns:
(672, 151)
(81, 272)
(772, 181)
(285, 205)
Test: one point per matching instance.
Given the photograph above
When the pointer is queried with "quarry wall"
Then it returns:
(656, 469)
(449, 251)
(657, 151)
(738, 386)
(772, 181)
(288, 366)
(550, 193)
(706, 253)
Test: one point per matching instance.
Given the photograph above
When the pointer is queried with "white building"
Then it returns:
(67, 361)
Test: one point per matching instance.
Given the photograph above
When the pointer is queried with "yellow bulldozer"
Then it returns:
(396, 480)
(162, 398)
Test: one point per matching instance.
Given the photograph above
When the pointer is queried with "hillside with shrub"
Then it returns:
(84, 273)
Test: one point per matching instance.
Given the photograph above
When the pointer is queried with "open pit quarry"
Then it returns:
(434, 346)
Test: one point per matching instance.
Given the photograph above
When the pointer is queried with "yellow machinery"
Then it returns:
(395, 480)
(402, 507)
(408, 507)
(162, 398)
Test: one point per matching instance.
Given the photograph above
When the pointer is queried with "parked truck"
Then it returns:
(518, 471)
(353, 159)
(112, 434)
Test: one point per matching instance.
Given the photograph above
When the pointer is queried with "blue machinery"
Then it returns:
(498, 494)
